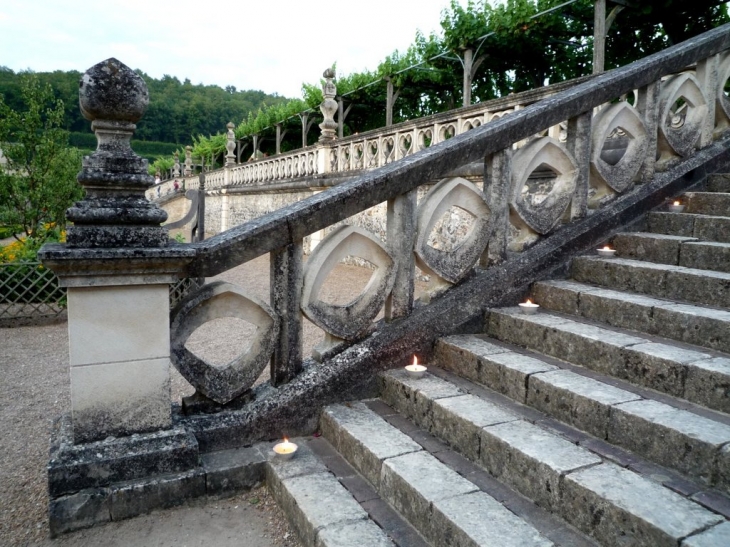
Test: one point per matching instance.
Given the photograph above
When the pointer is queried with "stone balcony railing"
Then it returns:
(370, 149)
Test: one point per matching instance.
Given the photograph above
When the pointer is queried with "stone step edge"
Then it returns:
(220, 474)
(400, 470)
(526, 379)
(689, 374)
(617, 512)
(569, 297)
(684, 251)
(321, 511)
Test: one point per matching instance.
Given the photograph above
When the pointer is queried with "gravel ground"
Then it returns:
(34, 384)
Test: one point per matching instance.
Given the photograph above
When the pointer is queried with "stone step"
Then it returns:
(691, 444)
(704, 227)
(689, 374)
(614, 505)
(444, 506)
(675, 250)
(718, 182)
(320, 509)
(662, 280)
(701, 326)
(708, 203)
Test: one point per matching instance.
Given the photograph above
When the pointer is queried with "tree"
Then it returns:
(38, 179)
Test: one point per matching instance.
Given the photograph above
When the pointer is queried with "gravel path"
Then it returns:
(34, 383)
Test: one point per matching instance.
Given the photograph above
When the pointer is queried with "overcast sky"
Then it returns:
(270, 45)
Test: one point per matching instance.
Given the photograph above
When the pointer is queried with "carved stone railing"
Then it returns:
(375, 148)
(672, 111)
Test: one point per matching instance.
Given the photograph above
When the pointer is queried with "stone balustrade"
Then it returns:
(545, 192)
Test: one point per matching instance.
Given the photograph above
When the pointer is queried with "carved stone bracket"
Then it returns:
(452, 265)
(350, 321)
(624, 118)
(213, 301)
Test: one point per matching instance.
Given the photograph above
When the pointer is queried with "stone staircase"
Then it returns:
(604, 419)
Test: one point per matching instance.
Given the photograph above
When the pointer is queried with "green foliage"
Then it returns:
(38, 182)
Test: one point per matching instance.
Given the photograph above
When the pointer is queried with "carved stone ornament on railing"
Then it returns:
(632, 143)
(115, 211)
(682, 113)
(176, 165)
(452, 265)
(213, 301)
(543, 213)
(328, 108)
(722, 104)
(188, 161)
(230, 145)
(351, 320)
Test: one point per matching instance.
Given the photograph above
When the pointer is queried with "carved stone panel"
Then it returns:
(351, 320)
(722, 108)
(682, 110)
(214, 301)
(617, 125)
(543, 213)
(455, 264)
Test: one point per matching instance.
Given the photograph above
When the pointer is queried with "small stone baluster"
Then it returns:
(328, 108)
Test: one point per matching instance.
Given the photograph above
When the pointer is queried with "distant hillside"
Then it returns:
(177, 111)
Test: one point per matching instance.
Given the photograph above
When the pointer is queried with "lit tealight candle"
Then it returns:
(415, 370)
(529, 307)
(606, 252)
(676, 207)
(285, 450)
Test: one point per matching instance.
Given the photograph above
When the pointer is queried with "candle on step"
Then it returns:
(676, 207)
(415, 370)
(606, 252)
(529, 307)
(285, 450)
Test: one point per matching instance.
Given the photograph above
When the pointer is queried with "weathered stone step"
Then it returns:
(444, 506)
(685, 373)
(321, 511)
(708, 203)
(704, 227)
(692, 444)
(718, 182)
(707, 327)
(675, 250)
(662, 280)
(612, 504)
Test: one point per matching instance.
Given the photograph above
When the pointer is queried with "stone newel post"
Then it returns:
(230, 145)
(188, 161)
(117, 265)
(328, 108)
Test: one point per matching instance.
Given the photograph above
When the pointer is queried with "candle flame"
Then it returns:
(606, 248)
(415, 360)
(286, 440)
(528, 301)
(676, 204)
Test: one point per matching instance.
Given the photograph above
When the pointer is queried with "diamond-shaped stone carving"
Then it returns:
(213, 301)
(679, 133)
(623, 116)
(353, 319)
(547, 152)
(452, 265)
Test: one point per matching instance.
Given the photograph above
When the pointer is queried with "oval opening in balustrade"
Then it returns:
(220, 341)
(347, 281)
(539, 184)
(451, 229)
(614, 147)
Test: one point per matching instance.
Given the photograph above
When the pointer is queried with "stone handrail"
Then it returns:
(509, 212)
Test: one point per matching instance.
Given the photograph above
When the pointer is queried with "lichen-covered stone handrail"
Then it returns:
(281, 228)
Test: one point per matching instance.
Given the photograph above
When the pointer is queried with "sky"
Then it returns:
(273, 45)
